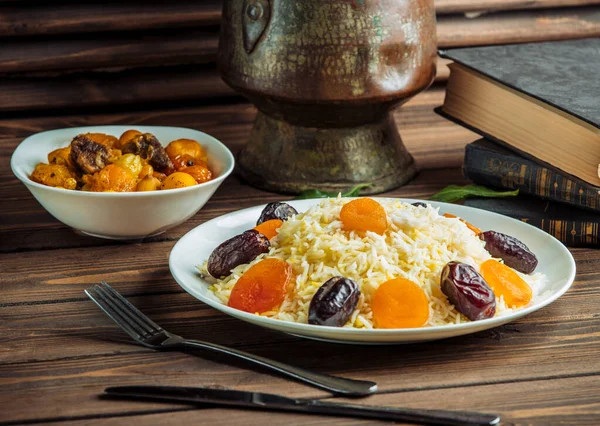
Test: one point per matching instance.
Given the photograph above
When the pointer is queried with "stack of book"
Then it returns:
(537, 107)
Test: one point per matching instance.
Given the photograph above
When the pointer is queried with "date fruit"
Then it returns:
(334, 302)
(468, 291)
(512, 251)
(281, 211)
(236, 251)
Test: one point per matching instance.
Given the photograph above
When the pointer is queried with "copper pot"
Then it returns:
(324, 75)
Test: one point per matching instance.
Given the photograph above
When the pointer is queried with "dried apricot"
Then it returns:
(471, 227)
(61, 156)
(182, 161)
(200, 173)
(263, 287)
(187, 147)
(178, 180)
(113, 178)
(269, 228)
(507, 283)
(147, 170)
(400, 303)
(149, 183)
(364, 214)
(126, 137)
(57, 175)
(160, 176)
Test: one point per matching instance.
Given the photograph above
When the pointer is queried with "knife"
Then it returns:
(266, 401)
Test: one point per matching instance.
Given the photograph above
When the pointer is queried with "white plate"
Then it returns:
(555, 261)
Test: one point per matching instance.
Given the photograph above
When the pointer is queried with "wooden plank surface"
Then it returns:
(41, 19)
(75, 356)
(120, 51)
(178, 84)
(74, 353)
(19, 19)
(419, 369)
(519, 405)
(519, 27)
(186, 46)
(161, 66)
(136, 87)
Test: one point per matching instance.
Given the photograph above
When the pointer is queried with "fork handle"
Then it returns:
(335, 385)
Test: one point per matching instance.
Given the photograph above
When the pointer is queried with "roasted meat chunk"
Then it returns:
(150, 149)
(89, 156)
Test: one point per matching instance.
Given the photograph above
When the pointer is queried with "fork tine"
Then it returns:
(132, 309)
(112, 314)
(124, 312)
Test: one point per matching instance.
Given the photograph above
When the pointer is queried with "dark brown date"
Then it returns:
(236, 251)
(468, 291)
(514, 253)
(419, 204)
(281, 211)
(334, 302)
(150, 149)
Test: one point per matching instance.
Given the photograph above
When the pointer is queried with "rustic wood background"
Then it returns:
(69, 63)
(65, 55)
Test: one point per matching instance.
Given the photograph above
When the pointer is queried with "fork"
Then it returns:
(146, 332)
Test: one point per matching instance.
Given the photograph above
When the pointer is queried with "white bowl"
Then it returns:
(120, 215)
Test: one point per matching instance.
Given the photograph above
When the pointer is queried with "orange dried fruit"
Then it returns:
(187, 147)
(200, 173)
(269, 228)
(178, 180)
(263, 287)
(113, 178)
(61, 156)
(56, 175)
(471, 227)
(147, 170)
(364, 214)
(160, 176)
(126, 137)
(149, 183)
(182, 161)
(507, 283)
(400, 303)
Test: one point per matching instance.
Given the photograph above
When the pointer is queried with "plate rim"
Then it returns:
(305, 330)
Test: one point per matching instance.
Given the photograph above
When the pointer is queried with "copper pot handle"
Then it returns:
(255, 18)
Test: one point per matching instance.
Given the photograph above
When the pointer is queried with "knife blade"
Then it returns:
(267, 401)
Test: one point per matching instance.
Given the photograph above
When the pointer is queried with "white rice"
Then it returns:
(417, 244)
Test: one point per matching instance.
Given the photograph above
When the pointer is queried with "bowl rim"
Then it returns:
(84, 129)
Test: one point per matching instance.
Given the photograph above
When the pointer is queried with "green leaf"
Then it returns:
(315, 193)
(453, 193)
(356, 190)
(312, 193)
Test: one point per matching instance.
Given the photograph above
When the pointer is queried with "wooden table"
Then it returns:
(58, 353)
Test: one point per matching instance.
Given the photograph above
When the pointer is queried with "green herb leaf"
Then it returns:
(355, 191)
(453, 193)
(315, 193)
(312, 193)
